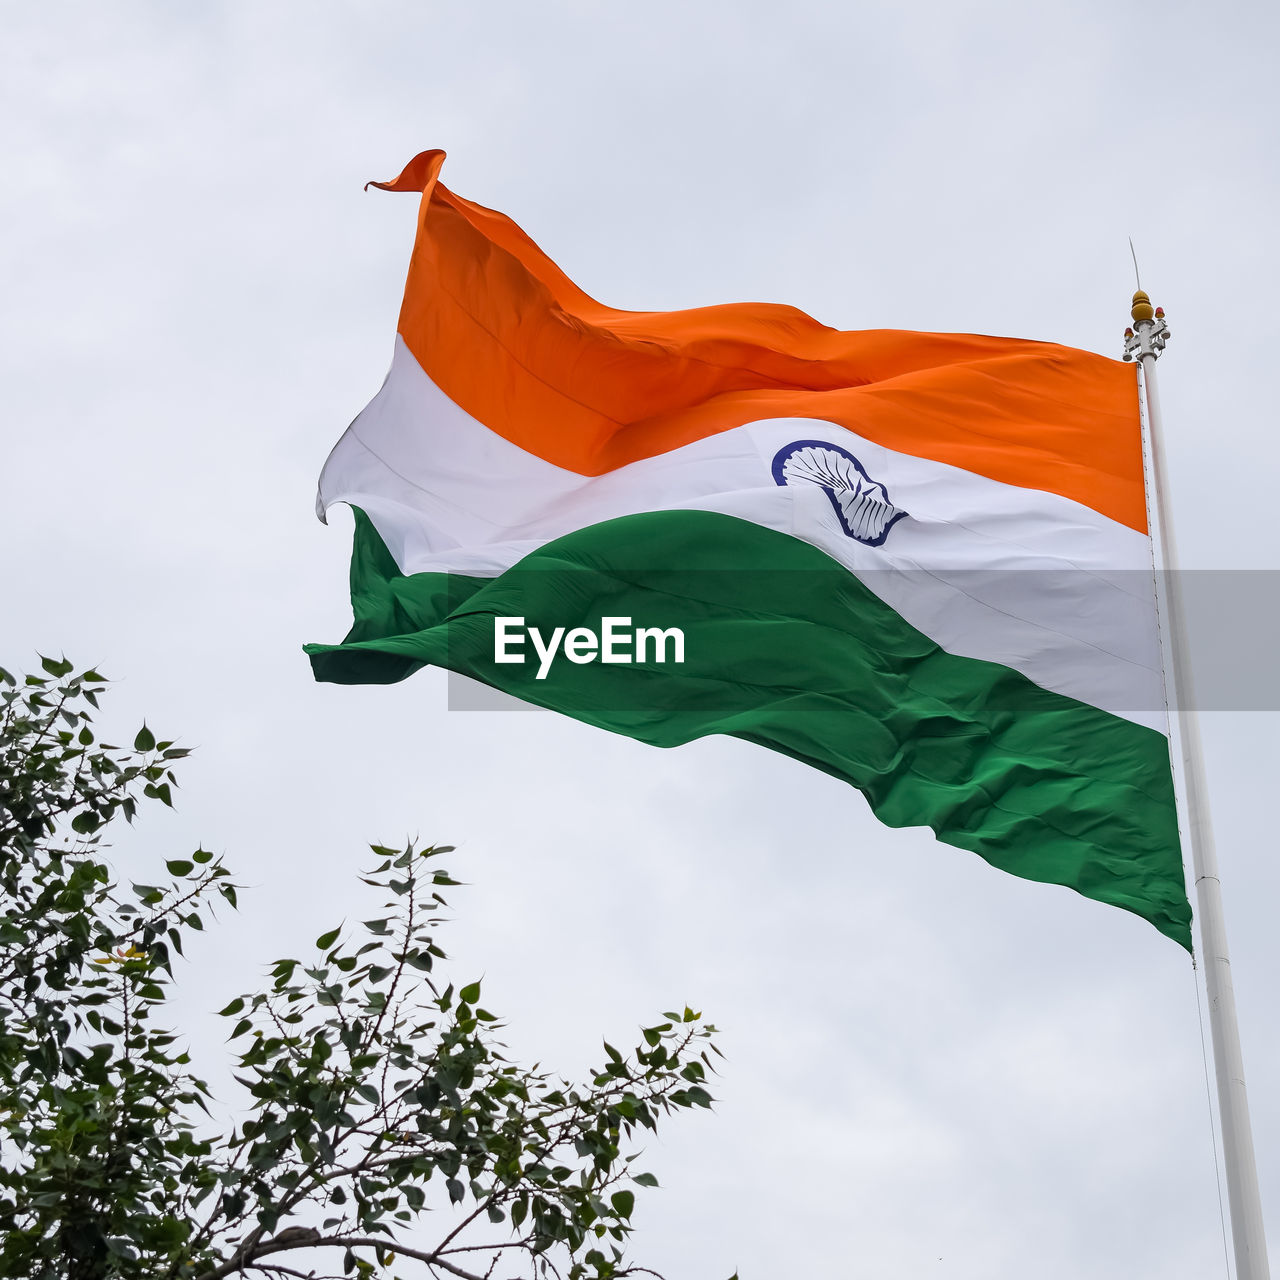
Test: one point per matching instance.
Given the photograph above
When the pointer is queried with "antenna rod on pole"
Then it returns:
(1145, 342)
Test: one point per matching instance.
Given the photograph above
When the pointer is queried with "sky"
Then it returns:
(933, 1071)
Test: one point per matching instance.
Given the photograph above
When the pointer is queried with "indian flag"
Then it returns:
(919, 562)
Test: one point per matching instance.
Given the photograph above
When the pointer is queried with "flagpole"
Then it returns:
(1145, 342)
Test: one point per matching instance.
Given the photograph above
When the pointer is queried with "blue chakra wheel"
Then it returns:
(861, 504)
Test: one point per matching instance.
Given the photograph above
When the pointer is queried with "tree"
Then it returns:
(378, 1100)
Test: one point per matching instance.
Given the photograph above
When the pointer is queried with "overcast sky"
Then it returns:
(933, 1070)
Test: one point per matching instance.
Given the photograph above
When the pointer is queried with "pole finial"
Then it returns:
(1152, 330)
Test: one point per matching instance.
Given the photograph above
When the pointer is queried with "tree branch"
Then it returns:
(307, 1238)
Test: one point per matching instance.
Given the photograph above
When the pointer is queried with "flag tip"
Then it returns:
(418, 175)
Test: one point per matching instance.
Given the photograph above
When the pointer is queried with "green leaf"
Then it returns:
(178, 867)
(145, 740)
(470, 993)
(234, 1007)
(326, 940)
(623, 1203)
(644, 1179)
(85, 823)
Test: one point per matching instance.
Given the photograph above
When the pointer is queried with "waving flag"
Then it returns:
(918, 562)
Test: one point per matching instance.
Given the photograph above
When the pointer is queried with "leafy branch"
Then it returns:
(378, 1099)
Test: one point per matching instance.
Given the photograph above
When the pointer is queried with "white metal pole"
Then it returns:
(1243, 1196)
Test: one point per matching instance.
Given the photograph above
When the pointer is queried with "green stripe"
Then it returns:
(786, 648)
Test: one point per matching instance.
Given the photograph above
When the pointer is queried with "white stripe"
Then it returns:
(448, 494)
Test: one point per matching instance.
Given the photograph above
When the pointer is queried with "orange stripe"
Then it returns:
(509, 337)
